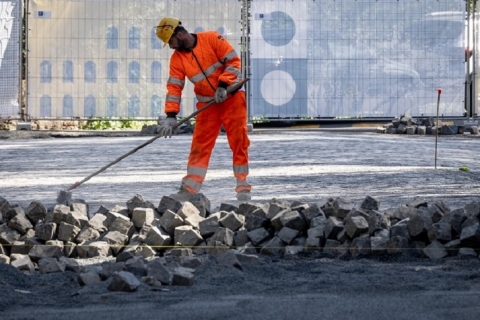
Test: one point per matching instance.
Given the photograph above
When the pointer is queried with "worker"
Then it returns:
(210, 62)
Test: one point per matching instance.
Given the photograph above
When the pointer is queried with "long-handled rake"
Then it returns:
(65, 195)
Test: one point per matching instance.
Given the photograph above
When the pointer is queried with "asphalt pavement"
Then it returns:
(302, 165)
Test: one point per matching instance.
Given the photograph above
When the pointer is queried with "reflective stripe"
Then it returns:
(240, 169)
(233, 70)
(172, 98)
(197, 171)
(229, 56)
(213, 68)
(200, 76)
(242, 183)
(204, 98)
(197, 78)
(192, 184)
(176, 81)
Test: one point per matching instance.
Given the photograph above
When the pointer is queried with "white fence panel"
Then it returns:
(10, 58)
(102, 58)
(354, 59)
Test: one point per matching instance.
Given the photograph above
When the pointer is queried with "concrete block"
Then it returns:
(4, 259)
(467, 253)
(440, 232)
(253, 222)
(378, 245)
(419, 224)
(144, 251)
(377, 221)
(397, 244)
(187, 236)
(22, 262)
(68, 232)
(240, 238)
(170, 220)
(179, 252)
(20, 223)
(45, 231)
(223, 235)
(45, 251)
(157, 237)
(258, 235)
(355, 226)
(77, 218)
(411, 130)
(194, 221)
(208, 226)
(116, 240)
(421, 130)
(87, 234)
(97, 222)
(27, 126)
(36, 211)
(187, 210)
(202, 203)
(400, 229)
(229, 258)
(274, 247)
(293, 220)
(470, 235)
(313, 243)
(435, 251)
(109, 268)
(88, 278)
(183, 277)
(293, 250)
(361, 246)
(50, 265)
(19, 247)
(232, 221)
(288, 234)
(333, 227)
(342, 207)
(71, 264)
(140, 216)
(455, 218)
(168, 203)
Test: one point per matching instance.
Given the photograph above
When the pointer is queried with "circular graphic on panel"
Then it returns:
(279, 29)
(278, 87)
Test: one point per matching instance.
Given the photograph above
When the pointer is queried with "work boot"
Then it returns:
(182, 195)
(244, 195)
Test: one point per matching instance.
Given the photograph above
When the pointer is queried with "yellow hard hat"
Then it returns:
(165, 29)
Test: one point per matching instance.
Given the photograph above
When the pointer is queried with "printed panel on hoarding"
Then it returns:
(352, 59)
(9, 58)
(102, 58)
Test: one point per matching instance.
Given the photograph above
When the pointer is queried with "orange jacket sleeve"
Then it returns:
(175, 85)
(227, 55)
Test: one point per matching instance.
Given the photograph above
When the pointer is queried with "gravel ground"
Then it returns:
(309, 166)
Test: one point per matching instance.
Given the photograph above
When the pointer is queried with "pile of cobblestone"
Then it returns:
(405, 124)
(163, 245)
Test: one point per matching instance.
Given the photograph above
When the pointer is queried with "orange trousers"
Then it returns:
(232, 114)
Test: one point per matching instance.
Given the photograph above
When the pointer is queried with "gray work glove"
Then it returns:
(166, 127)
(220, 95)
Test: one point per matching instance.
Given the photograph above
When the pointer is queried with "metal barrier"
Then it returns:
(10, 57)
(306, 59)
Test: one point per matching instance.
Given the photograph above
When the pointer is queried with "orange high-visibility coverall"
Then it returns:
(211, 63)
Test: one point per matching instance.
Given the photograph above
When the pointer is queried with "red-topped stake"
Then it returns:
(439, 90)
